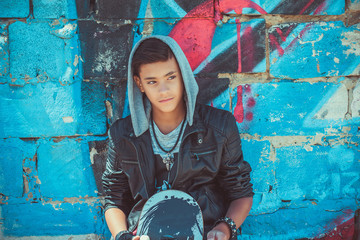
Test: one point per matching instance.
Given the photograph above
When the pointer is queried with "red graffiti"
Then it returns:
(341, 231)
(195, 37)
(249, 116)
(251, 102)
(239, 109)
(238, 29)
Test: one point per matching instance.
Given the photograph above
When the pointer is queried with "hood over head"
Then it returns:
(140, 106)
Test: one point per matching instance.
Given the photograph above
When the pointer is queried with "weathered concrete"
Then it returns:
(14, 9)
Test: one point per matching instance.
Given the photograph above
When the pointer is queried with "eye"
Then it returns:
(172, 77)
(151, 82)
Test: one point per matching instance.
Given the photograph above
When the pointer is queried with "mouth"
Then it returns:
(166, 100)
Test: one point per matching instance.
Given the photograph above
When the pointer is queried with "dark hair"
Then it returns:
(149, 51)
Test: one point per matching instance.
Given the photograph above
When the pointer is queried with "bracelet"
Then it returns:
(231, 224)
(124, 235)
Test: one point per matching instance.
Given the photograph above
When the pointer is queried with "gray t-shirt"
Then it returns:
(164, 178)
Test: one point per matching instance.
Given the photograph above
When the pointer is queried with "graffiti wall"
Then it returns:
(288, 71)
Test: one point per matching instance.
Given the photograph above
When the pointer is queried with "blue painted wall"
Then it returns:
(290, 75)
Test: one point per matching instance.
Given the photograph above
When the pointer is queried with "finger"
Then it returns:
(144, 237)
(136, 238)
(211, 235)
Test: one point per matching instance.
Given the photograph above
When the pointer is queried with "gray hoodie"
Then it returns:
(140, 107)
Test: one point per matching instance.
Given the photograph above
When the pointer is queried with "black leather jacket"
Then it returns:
(210, 166)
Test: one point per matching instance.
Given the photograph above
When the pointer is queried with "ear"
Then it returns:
(138, 83)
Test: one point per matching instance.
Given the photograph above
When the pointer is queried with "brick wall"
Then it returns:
(288, 71)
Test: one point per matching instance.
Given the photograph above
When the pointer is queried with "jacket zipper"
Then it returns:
(179, 156)
(203, 153)
(137, 156)
(130, 162)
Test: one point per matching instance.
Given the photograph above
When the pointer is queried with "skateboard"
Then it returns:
(171, 214)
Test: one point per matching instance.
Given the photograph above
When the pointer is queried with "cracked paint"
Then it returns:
(352, 41)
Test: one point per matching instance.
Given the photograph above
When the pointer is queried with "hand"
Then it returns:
(143, 237)
(219, 232)
(126, 235)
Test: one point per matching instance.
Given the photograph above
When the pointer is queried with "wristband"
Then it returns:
(231, 224)
(124, 235)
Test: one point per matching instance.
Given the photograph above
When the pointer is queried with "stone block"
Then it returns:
(105, 49)
(52, 219)
(14, 9)
(258, 155)
(50, 109)
(336, 168)
(85, 8)
(13, 153)
(119, 9)
(292, 7)
(42, 51)
(54, 9)
(64, 169)
(4, 52)
(289, 108)
(308, 50)
(93, 108)
(299, 222)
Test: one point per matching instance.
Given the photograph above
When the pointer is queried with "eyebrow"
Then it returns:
(168, 74)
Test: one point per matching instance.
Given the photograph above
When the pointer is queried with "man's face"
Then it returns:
(163, 85)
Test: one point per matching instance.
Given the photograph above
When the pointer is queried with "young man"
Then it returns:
(170, 141)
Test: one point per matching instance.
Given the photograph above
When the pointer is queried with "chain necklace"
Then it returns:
(168, 159)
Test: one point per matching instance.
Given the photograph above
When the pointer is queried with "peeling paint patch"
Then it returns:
(68, 119)
(352, 41)
(105, 61)
(66, 32)
(355, 104)
(93, 152)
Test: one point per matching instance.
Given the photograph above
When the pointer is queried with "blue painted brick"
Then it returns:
(50, 109)
(41, 51)
(261, 159)
(51, 219)
(13, 152)
(55, 9)
(289, 108)
(298, 223)
(336, 168)
(290, 7)
(257, 154)
(4, 53)
(308, 50)
(64, 169)
(14, 9)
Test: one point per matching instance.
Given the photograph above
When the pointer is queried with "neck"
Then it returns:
(167, 122)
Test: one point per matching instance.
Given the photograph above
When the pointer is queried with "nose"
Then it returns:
(163, 87)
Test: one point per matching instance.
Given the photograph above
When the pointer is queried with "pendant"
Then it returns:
(168, 160)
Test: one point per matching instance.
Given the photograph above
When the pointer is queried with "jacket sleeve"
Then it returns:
(234, 172)
(115, 182)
